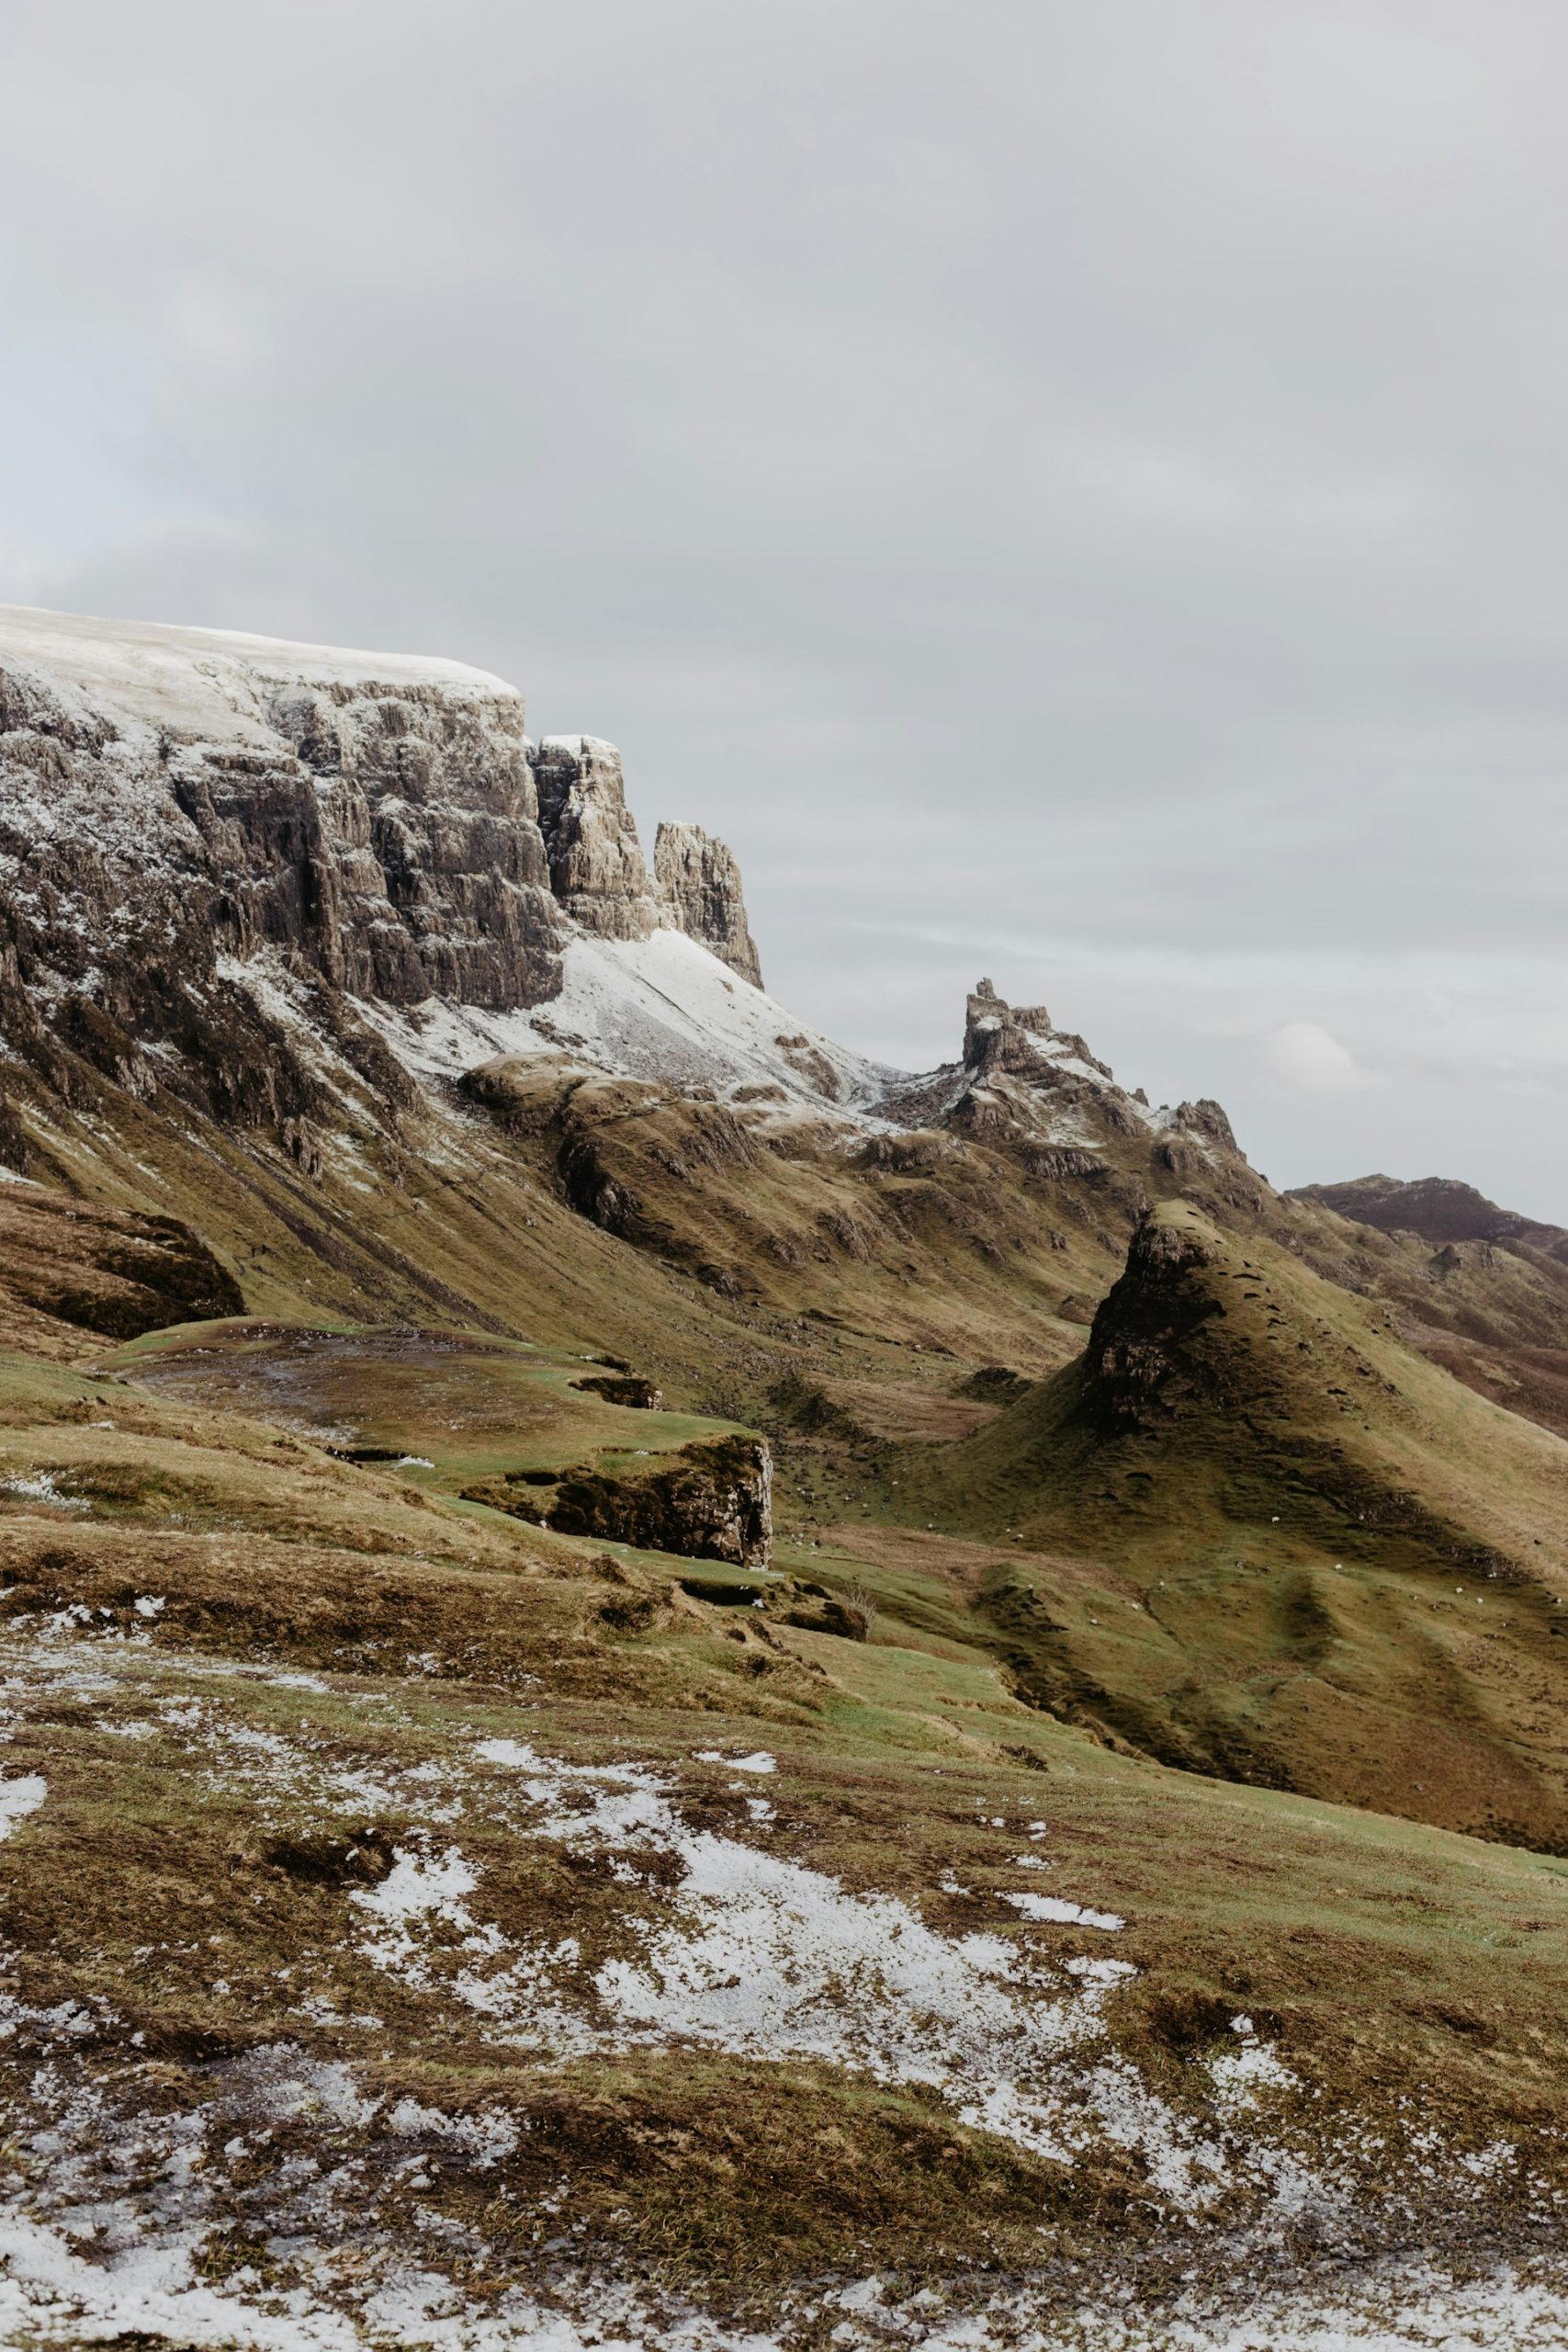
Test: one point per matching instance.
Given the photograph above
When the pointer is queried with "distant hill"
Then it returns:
(1491, 1305)
(1435, 1207)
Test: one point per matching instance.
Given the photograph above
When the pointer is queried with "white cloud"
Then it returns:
(1312, 1058)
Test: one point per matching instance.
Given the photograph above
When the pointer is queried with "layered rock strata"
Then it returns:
(172, 795)
(597, 868)
(699, 882)
(175, 804)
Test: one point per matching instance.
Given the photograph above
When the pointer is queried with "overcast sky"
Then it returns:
(1074, 493)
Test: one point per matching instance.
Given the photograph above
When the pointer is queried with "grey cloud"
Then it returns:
(1075, 492)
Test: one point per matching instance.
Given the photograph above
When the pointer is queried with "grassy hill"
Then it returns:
(1256, 1534)
(514, 1905)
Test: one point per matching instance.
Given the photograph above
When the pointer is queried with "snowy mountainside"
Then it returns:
(663, 1009)
(232, 865)
(179, 807)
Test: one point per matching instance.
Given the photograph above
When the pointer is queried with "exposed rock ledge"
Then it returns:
(597, 869)
(711, 1500)
(700, 884)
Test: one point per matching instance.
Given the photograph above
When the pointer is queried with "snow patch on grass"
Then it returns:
(1063, 1913)
(39, 1486)
(1242, 2076)
(19, 1798)
(762, 1957)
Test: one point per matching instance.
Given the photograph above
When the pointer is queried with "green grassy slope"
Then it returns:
(1257, 1535)
(252, 1676)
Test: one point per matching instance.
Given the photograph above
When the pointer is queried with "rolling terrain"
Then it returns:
(661, 1684)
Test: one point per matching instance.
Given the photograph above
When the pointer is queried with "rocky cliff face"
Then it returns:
(699, 882)
(597, 869)
(176, 803)
(172, 795)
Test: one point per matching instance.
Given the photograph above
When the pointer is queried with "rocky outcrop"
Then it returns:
(1207, 1118)
(713, 1501)
(1016, 1066)
(1018, 1041)
(623, 1388)
(699, 883)
(996, 1037)
(168, 796)
(1141, 1364)
(597, 870)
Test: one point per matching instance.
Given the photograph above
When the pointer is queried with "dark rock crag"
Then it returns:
(623, 1388)
(1141, 1364)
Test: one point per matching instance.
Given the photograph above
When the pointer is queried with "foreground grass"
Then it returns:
(251, 1676)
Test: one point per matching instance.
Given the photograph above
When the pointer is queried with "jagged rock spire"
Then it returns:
(996, 1036)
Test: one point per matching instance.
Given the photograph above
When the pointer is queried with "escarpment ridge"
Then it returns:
(173, 800)
(289, 885)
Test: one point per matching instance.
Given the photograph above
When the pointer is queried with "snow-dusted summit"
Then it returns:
(178, 807)
(229, 865)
